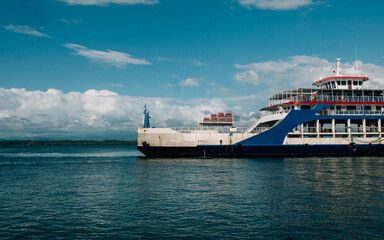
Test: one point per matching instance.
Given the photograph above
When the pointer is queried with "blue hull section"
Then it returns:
(264, 151)
(276, 135)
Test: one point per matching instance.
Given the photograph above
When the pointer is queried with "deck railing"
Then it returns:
(350, 112)
(328, 98)
(338, 130)
(219, 129)
(207, 128)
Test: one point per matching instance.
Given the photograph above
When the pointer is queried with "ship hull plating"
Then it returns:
(265, 151)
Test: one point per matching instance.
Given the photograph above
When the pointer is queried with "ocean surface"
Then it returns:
(113, 192)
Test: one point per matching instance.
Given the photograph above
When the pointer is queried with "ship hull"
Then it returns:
(264, 151)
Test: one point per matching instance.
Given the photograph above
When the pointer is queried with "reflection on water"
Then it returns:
(110, 192)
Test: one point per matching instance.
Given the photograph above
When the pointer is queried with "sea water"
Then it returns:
(114, 192)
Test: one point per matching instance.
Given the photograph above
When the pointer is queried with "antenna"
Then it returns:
(356, 59)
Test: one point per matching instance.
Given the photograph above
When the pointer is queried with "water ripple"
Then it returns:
(110, 193)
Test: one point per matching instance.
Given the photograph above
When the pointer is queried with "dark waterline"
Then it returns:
(98, 192)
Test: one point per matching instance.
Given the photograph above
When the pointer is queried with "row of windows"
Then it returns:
(355, 83)
(342, 83)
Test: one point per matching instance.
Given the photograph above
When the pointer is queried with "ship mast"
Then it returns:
(146, 117)
(338, 69)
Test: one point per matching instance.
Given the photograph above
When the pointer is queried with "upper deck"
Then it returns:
(336, 89)
(338, 81)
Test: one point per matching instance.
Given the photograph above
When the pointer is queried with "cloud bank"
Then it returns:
(109, 57)
(276, 5)
(301, 71)
(25, 29)
(107, 2)
(93, 114)
(104, 114)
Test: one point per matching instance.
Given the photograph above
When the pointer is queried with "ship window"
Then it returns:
(294, 135)
(354, 83)
(267, 124)
(341, 125)
(341, 135)
(326, 136)
(309, 127)
(356, 125)
(325, 126)
(310, 136)
(358, 135)
(305, 106)
(338, 82)
(373, 135)
(360, 83)
(343, 82)
(371, 126)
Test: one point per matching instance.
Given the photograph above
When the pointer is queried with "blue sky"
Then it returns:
(185, 58)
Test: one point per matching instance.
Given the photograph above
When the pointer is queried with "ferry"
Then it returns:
(338, 116)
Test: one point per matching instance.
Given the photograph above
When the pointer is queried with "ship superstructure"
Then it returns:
(337, 117)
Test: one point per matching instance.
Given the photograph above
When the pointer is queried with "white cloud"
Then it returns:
(25, 29)
(218, 90)
(69, 21)
(116, 85)
(107, 2)
(296, 71)
(249, 76)
(31, 114)
(65, 20)
(276, 4)
(159, 58)
(189, 82)
(114, 58)
(301, 71)
(197, 63)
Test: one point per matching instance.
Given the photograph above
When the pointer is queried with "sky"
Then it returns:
(83, 69)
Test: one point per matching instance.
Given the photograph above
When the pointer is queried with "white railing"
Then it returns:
(260, 129)
(349, 112)
(327, 98)
(210, 129)
(338, 130)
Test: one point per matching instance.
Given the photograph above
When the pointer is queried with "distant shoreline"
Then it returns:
(64, 142)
